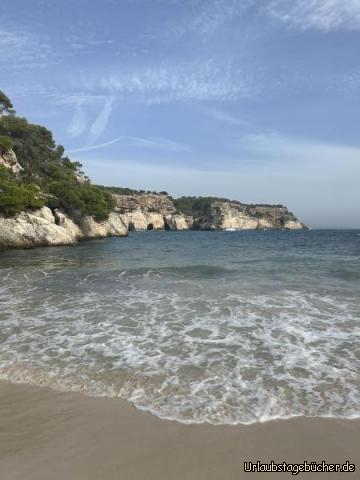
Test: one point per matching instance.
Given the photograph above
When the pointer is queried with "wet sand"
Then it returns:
(47, 435)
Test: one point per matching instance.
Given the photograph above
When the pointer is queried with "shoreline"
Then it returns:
(85, 239)
(49, 434)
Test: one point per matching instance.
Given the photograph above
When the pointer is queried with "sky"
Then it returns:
(254, 100)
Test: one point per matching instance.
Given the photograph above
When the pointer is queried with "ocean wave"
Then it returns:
(348, 275)
(217, 356)
(223, 329)
(182, 271)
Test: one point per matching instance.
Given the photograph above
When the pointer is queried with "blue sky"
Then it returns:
(254, 100)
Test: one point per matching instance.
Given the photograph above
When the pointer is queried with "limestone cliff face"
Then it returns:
(238, 216)
(113, 226)
(137, 212)
(157, 212)
(43, 227)
(150, 212)
(178, 221)
(8, 159)
(133, 212)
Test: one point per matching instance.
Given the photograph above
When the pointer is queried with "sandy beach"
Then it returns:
(51, 435)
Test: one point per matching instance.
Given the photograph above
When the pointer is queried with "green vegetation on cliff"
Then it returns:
(15, 195)
(59, 179)
(5, 104)
(6, 144)
(49, 177)
(131, 191)
(196, 206)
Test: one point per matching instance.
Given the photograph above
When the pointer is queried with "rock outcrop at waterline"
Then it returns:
(39, 183)
(151, 212)
(240, 216)
(44, 227)
(158, 212)
(141, 211)
(137, 212)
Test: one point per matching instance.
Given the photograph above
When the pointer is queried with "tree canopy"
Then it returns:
(16, 196)
(46, 166)
(5, 104)
(6, 144)
(195, 206)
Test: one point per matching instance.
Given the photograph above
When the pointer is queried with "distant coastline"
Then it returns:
(46, 199)
(49, 227)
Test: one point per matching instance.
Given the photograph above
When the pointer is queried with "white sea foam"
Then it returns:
(180, 348)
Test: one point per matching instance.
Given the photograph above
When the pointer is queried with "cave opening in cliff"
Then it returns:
(150, 226)
(131, 227)
(166, 226)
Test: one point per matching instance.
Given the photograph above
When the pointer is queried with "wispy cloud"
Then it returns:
(84, 43)
(323, 15)
(210, 16)
(181, 82)
(226, 118)
(95, 147)
(101, 121)
(82, 104)
(137, 142)
(22, 49)
(78, 122)
(276, 149)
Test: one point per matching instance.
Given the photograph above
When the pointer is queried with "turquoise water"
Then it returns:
(218, 327)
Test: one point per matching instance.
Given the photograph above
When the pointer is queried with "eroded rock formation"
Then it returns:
(150, 212)
(158, 212)
(8, 159)
(138, 212)
(133, 212)
(43, 227)
(239, 216)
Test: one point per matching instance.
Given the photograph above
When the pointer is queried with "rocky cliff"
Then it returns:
(8, 159)
(46, 199)
(151, 212)
(158, 212)
(138, 212)
(44, 227)
(238, 216)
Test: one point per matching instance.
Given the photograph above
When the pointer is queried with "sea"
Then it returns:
(198, 327)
